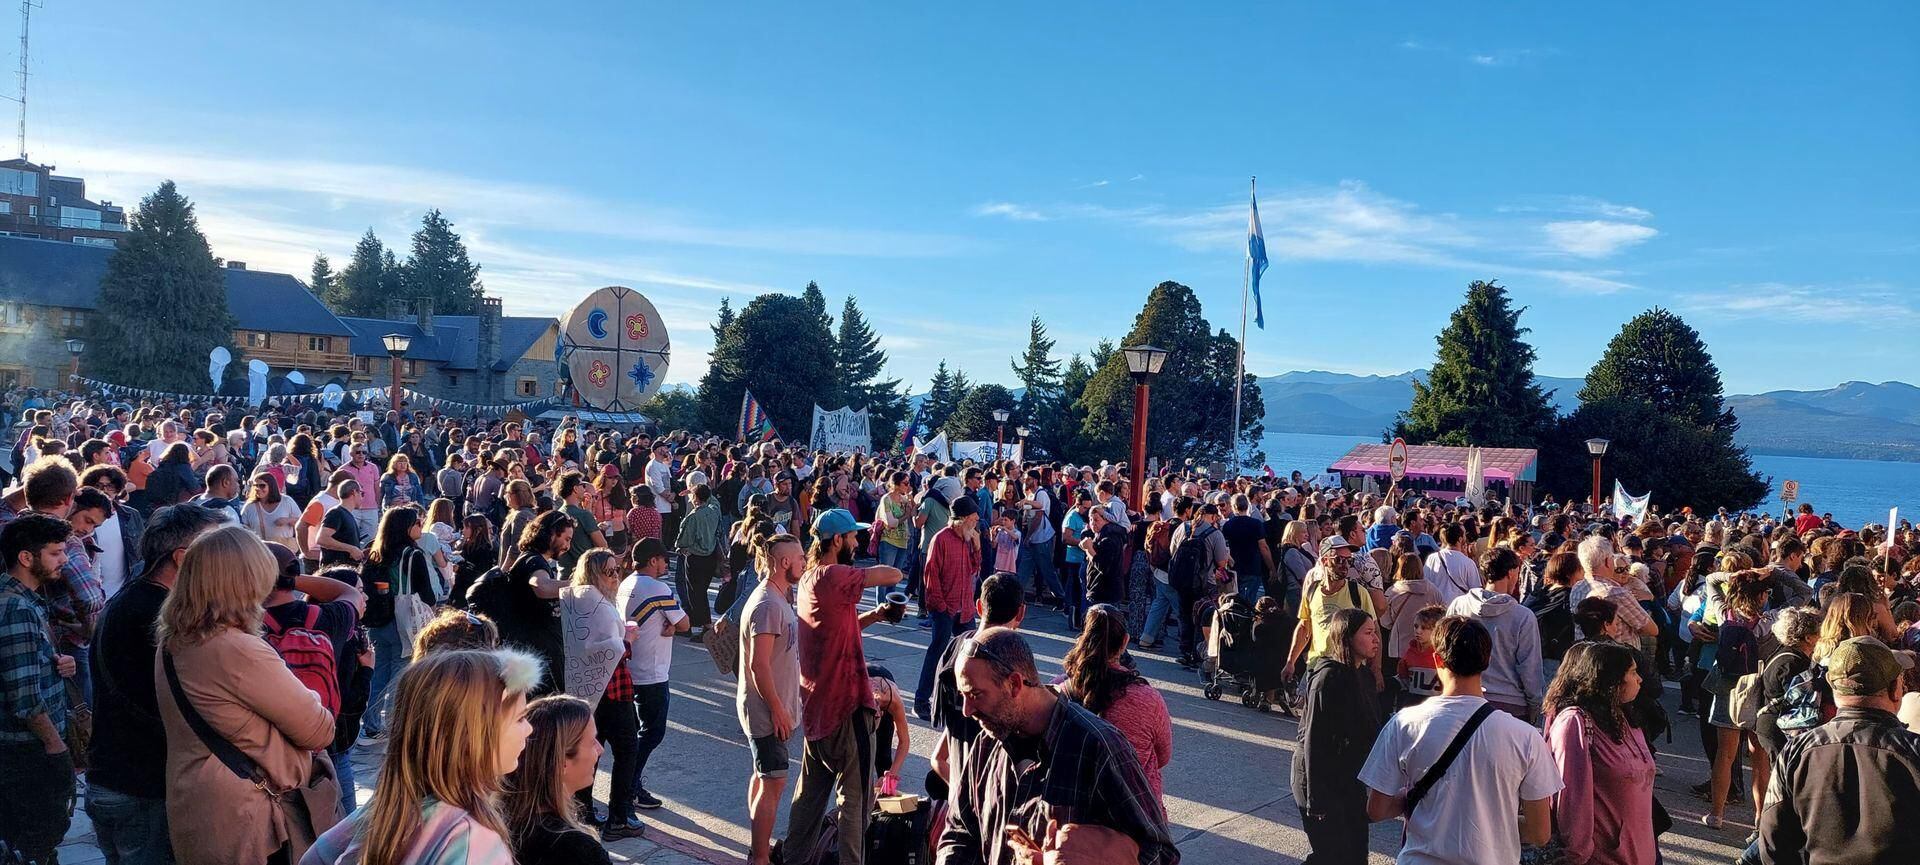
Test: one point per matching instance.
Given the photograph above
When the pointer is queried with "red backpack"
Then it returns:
(309, 653)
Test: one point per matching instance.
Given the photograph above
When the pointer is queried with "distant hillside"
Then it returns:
(1856, 420)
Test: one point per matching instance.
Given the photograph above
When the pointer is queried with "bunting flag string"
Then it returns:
(317, 398)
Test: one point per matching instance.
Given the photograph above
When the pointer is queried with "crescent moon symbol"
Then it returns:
(597, 324)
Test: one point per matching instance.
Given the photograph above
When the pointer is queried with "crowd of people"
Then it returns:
(211, 612)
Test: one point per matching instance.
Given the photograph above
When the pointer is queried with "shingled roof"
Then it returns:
(52, 273)
(455, 340)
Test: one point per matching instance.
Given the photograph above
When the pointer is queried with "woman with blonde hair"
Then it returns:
(400, 485)
(222, 689)
(459, 726)
(542, 809)
(520, 500)
(1849, 615)
(596, 659)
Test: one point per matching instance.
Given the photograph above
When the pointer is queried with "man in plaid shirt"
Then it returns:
(33, 699)
(1053, 779)
(75, 600)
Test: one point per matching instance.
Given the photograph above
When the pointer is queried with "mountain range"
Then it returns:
(1854, 420)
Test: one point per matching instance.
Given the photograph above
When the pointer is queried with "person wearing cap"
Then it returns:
(953, 563)
(1849, 790)
(838, 708)
(1328, 591)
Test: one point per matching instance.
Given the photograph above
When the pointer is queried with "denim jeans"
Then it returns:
(1035, 568)
(83, 670)
(129, 830)
(651, 703)
(387, 665)
(1161, 614)
(343, 768)
(1250, 589)
(892, 557)
(943, 627)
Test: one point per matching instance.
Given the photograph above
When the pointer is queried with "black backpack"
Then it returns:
(488, 595)
(1555, 616)
(1191, 563)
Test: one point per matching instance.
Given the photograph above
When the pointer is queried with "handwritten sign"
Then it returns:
(593, 639)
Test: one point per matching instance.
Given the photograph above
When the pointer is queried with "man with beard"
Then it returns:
(838, 709)
(1052, 781)
(34, 801)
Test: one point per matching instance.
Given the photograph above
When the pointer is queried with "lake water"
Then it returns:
(1856, 492)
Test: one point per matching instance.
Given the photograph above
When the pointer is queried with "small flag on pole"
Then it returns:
(913, 427)
(1256, 257)
(755, 425)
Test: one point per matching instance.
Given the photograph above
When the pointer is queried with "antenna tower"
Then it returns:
(26, 18)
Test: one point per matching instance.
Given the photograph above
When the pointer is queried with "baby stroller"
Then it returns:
(1231, 661)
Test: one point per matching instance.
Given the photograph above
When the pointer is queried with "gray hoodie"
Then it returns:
(1514, 674)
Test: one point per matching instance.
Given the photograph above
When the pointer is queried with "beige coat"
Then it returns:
(248, 695)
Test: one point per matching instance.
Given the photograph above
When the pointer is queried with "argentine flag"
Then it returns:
(1256, 258)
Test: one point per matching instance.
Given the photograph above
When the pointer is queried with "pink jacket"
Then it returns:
(952, 565)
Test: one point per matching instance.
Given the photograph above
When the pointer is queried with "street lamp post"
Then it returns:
(1022, 431)
(1143, 362)
(1000, 416)
(1598, 448)
(397, 345)
(75, 347)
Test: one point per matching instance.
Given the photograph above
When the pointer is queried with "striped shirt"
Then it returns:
(446, 836)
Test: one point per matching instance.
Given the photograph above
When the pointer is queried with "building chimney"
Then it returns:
(397, 308)
(236, 265)
(489, 353)
(423, 314)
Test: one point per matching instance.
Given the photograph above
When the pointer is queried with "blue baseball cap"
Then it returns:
(836, 522)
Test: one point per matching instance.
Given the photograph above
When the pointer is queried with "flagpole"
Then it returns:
(1240, 361)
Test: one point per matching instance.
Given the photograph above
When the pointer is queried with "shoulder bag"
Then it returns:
(1420, 788)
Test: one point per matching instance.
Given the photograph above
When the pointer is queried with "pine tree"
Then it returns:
(1192, 399)
(722, 321)
(939, 401)
(816, 302)
(1039, 373)
(440, 270)
(1060, 431)
(1481, 390)
(858, 364)
(1101, 353)
(320, 283)
(780, 351)
(1655, 395)
(393, 283)
(163, 302)
(359, 288)
(1659, 358)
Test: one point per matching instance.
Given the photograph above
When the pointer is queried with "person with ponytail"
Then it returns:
(1100, 676)
(542, 807)
(458, 728)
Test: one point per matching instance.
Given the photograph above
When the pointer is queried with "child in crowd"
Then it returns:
(1418, 677)
(1006, 543)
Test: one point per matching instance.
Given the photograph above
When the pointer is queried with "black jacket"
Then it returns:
(1847, 791)
(1338, 723)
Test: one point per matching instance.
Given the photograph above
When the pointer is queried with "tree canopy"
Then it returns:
(858, 363)
(1659, 358)
(1039, 374)
(1481, 389)
(782, 352)
(163, 300)
(439, 269)
(360, 287)
(972, 419)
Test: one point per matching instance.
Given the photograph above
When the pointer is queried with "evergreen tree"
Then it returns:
(816, 302)
(393, 284)
(722, 321)
(360, 286)
(1059, 432)
(162, 303)
(676, 408)
(1655, 395)
(1481, 390)
(939, 401)
(1659, 358)
(859, 362)
(972, 419)
(780, 351)
(440, 270)
(320, 282)
(1039, 374)
(1101, 353)
(1192, 399)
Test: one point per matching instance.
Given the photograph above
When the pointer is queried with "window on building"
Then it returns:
(13, 181)
(13, 315)
(529, 387)
(453, 380)
(413, 369)
(15, 376)
(73, 319)
(257, 339)
(363, 365)
(319, 343)
(94, 241)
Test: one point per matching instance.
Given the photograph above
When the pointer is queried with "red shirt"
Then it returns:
(1806, 523)
(833, 667)
(952, 564)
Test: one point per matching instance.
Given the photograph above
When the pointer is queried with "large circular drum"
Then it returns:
(614, 347)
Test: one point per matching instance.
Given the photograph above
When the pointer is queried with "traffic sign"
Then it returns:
(1397, 460)
(1790, 492)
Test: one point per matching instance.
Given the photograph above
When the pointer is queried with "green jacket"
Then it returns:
(699, 530)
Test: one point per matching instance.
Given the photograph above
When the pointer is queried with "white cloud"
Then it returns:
(1485, 60)
(1010, 211)
(1595, 238)
(1871, 304)
(1578, 205)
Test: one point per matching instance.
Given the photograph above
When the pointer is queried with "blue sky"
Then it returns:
(1749, 165)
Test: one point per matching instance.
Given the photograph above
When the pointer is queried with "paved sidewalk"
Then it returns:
(1226, 789)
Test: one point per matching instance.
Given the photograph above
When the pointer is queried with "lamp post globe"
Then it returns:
(1143, 363)
(396, 345)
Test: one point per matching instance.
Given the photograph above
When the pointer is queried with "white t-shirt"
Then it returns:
(649, 601)
(660, 478)
(111, 564)
(1452, 573)
(1471, 814)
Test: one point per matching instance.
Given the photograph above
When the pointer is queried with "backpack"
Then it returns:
(1160, 544)
(309, 653)
(488, 595)
(1737, 652)
(1551, 610)
(1190, 567)
(1743, 708)
(1805, 703)
(1056, 508)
